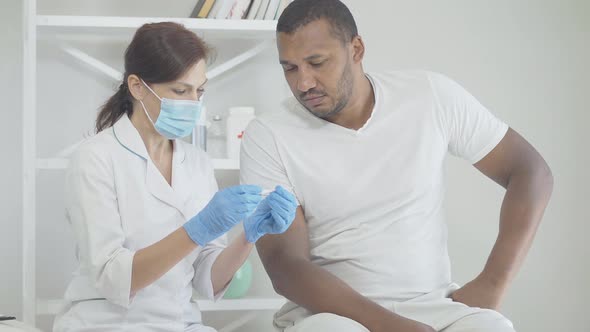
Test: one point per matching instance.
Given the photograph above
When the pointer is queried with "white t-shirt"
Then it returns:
(373, 197)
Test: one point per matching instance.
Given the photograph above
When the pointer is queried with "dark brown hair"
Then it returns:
(158, 53)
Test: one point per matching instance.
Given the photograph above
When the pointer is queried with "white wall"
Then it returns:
(526, 61)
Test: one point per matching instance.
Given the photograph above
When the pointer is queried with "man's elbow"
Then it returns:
(279, 286)
(279, 279)
(535, 175)
(281, 272)
(543, 176)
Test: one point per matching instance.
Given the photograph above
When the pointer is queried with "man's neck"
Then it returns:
(359, 108)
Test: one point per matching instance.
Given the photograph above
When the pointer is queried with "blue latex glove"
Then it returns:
(226, 209)
(274, 215)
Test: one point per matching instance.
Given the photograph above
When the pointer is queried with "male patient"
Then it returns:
(364, 154)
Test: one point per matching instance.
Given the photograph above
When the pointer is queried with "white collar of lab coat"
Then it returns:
(128, 136)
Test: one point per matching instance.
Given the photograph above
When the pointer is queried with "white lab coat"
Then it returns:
(118, 202)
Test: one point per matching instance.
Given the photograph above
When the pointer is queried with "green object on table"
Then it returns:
(240, 283)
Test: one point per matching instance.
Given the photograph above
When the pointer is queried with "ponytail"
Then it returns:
(118, 105)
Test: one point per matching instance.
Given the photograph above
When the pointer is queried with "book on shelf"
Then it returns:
(197, 8)
(206, 8)
(262, 10)
(226, 6)
(254, 7)
(215, 9)
(271, 11)
(202, 8)
(240, 9)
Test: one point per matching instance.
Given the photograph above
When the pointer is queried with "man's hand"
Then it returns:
(480, 292)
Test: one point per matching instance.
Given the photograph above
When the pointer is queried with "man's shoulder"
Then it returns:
(287, 110)
(289, 114)
(402, 78)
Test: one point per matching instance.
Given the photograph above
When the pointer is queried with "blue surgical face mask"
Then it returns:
(177, 117)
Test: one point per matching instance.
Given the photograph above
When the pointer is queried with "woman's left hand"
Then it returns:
(273, 215)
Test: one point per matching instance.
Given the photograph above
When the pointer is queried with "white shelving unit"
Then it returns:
(72, 25)
(50, 307)
(65, 29)
(62, 163)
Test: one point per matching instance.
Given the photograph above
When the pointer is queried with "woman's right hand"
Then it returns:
(226, 209)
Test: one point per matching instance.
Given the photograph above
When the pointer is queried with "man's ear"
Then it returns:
(358, 49)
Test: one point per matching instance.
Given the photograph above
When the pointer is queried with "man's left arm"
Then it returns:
(517, 166)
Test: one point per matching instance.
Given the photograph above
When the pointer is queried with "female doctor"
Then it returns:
(144, 205)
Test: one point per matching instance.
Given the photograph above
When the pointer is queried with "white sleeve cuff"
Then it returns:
(499, 135)
(202, 282)
(114, 281)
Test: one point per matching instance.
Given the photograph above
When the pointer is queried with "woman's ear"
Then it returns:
(136, 87)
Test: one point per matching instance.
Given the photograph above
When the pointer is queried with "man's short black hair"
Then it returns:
(301, 12)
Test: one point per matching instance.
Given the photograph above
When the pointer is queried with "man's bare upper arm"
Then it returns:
(294, 243)
(513, 155)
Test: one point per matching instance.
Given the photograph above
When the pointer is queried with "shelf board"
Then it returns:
(72, 25)
(242, 304)
(53, 306)
(62, 163)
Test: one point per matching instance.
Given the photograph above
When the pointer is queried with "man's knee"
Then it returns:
(327, 322)
(484, 321)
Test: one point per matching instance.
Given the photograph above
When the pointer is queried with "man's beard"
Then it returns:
(344, 90)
